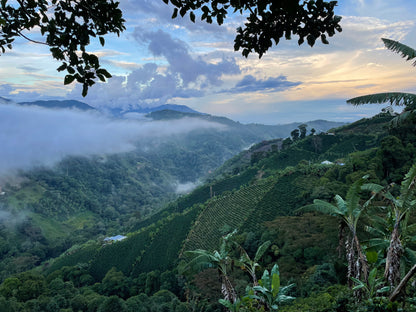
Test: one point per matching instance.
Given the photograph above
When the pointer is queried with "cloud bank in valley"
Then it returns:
(34, 136)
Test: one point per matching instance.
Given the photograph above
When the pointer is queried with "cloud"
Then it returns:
(184, 188)
(19, 94)
(154, 84)
(144, 87)
(33, 136)
(273, 84)
(158, 13)
(28, 68)
(181, 62)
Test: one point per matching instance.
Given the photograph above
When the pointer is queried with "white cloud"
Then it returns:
(34, 136)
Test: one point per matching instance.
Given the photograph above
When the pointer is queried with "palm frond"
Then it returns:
(353, 198)
(407, 189)
(409, 180)
(410, 255)
(372, 187)
(378, 243)
(404, 50)
(393, 98)
(261, 250)
(322, 207)
(341, 204)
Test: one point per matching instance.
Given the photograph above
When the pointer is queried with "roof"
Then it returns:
(114, 238)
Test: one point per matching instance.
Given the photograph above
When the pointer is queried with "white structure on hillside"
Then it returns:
(116, 238)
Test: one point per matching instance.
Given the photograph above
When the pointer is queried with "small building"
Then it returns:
(116, 238)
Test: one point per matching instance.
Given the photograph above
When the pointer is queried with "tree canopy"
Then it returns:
(267, 20)
(68, 27)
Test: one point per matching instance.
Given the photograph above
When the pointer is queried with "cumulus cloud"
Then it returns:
(153, 84)
(33, 136)
(273, 84)
(181, 62)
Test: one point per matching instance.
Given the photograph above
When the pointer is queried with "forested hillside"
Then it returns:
(46, 210)
(259, 194)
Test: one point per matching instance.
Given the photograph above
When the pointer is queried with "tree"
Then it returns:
(295, 134)
(220, 259)
(270, 291)
(267, 20)
(302, 130)
(250, 265)
(349, 211)
(68, 27)
(400, 209)
(408, 100)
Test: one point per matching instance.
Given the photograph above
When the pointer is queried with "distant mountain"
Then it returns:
(257, 130)
(122, 112)
(60, 104)
(5, 101)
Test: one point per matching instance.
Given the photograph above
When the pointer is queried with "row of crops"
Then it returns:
(224, 214)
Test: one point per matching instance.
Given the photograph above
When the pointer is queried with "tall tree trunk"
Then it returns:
(402, 284)
(350, 260)
(362, 260)
(228, 290)
(392, 268)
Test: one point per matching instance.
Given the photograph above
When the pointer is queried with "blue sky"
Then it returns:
(158, 60)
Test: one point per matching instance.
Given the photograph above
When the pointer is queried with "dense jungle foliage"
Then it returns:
(260, 212)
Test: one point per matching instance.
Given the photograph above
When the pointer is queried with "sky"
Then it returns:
(157, 60)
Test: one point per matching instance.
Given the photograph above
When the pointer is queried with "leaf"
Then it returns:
(275, 284)
(192, 16)
(404, 50)
(62, 67)
(68, 79)
(393, 98)
(261, 250)
(175, 13)
(101, 77)
(226, 303)
(372, 277)
(372, 256)
(322, 207)
(311, 40)
(384, 289)
(323, 39)
(102, 40)
(103, 72)
(84, 90)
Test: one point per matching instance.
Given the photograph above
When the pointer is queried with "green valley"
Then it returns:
(258, 194)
